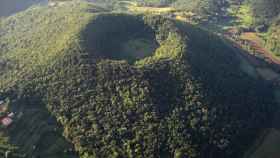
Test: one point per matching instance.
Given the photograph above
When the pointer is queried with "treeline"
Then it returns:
(265, 10)
(204, 7)
(272, 40)
(200, 7)
(267, 17)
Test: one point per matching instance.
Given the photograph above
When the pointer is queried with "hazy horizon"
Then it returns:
(10, 7)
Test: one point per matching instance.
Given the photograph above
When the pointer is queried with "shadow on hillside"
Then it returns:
(246, 100)
(216, 63)
(35, 131)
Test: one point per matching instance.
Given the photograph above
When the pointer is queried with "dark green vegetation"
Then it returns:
(185, 95)
(265, 10)
(158, 3)
(112, 37)
(272, 40)
(266, 15)
(34, 133)
(259, 16)
(202, 7)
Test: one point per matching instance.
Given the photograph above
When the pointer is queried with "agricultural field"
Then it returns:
(150, 10)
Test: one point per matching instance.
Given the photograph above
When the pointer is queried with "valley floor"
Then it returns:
(267, 66)
(259, 62)
(267, 145)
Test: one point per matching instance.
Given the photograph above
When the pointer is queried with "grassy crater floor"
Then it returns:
(120, 37)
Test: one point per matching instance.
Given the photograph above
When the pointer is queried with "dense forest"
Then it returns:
(267, 14)
(265, 10)
(272, 40)
(126, 86)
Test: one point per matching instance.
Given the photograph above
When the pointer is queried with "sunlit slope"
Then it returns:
(38, 38)
(31, 43)
(273, 38)
(129, 86)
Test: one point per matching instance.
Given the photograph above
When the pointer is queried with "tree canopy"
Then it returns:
(265, 10)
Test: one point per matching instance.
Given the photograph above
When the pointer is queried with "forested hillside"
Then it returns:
(199, 7)
(266, 15)
(126, 86)
(265, 10)
(272, 40)
(202, 7)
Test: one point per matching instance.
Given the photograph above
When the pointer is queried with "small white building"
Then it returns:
(6, 121)
(11, 115)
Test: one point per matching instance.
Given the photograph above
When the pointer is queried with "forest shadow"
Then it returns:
(242, 98)
(34, 131)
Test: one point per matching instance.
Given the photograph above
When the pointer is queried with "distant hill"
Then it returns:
(9, 7)
(123, 85)
(200, 7)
